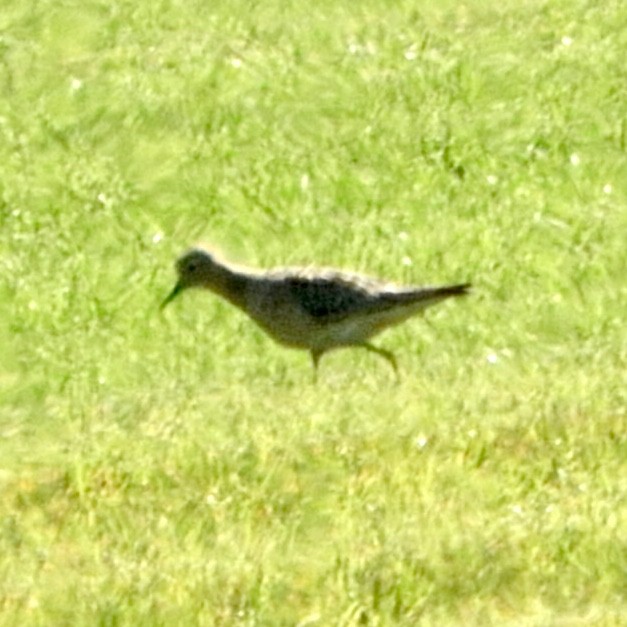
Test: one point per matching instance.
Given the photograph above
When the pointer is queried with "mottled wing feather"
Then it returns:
(329, 296)
(326, 299)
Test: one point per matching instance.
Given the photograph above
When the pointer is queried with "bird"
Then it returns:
(318, 310)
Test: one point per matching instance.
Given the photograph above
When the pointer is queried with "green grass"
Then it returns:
(179, 467)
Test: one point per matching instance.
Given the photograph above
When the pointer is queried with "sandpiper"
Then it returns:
(313, 309)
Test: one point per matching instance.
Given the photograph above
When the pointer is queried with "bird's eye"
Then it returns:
(192, 267)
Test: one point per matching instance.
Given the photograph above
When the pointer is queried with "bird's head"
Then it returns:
(194, 268)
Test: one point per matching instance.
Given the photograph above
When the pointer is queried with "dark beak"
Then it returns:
(178, 288)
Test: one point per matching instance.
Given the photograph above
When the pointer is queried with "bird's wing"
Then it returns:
(328, 298)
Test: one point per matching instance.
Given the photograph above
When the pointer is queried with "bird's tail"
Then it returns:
(452, 290)
(424, 297)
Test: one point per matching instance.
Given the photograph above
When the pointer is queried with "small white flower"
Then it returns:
(492, 358)
(304, 182)
(607, 188)
(574, 159)
(157, 237)
(102, 198)
(421, 441)
(410, 54)
(492, 179)
(403, 236)
(517, 509)
(76, 84)
(236, 62)
(567, 41)
(361, 49)
(406, 261)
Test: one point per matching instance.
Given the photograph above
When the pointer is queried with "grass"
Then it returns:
(180, 468)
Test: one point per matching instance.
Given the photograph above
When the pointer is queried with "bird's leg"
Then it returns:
(315, 358)
(387, 355)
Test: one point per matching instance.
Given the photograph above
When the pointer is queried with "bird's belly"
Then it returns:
(321, 336)
(307, 332)
(287, 331)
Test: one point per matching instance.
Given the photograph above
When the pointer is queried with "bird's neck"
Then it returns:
(229, 283)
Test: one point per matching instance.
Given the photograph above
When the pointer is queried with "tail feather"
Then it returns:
(426, 296)
(453, 290)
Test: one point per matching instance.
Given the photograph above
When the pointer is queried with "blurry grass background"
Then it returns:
(180, 468)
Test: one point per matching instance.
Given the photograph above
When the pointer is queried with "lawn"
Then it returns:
(177, 467)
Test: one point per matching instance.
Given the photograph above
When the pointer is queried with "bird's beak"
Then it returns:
(178, 288)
